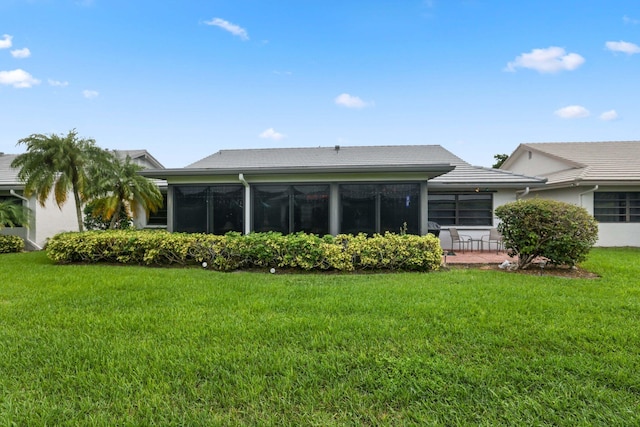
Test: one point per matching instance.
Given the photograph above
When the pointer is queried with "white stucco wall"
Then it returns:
(51, 220)
(609, 234)
(532, 163)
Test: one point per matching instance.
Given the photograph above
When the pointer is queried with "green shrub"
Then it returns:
(10, 244)
(560, 232)
(258, 250)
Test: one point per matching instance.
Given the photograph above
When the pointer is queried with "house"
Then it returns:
(50, 220)
(332, 190)
(602, 177)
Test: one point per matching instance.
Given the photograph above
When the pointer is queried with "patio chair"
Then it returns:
(494, 236)
(461, 239)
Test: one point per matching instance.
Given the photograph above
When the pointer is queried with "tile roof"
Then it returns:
(592, 161)
(324, 157)
(8, 175)
(139, 155)
(240, 160)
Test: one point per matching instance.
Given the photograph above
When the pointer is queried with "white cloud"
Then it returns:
(549, 60)
(5, 41)
(234, 29)
(608, 116)
(351, 101)
(632, 21)
(21, 53)
(18, 79)
(272, 134)
(572, 112)
(90, 94)
(57, 83)
(625, 47)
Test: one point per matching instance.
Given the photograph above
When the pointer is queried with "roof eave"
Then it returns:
(432, 170)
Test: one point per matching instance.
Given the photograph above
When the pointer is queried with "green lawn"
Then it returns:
(111, 345)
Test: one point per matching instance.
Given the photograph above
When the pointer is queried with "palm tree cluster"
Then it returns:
(68, 164)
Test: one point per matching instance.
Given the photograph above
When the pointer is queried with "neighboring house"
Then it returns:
(49, 220)
(602, 177)
(332, 190)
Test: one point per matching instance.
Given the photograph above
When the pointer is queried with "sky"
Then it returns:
(184, 79)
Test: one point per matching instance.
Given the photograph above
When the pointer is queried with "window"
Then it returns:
(215, 209)
(291, 208)
(15, 201)
(376, 208)
(616, 206)
(461, 208)
(159, 217)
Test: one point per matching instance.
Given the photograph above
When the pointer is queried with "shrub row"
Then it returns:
(9, 244)
(258, 250)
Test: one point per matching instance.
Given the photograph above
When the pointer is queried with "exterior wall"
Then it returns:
(51, 220)
(536, 164)
(609, 234)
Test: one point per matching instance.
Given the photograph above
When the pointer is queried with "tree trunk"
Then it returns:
(76, 197)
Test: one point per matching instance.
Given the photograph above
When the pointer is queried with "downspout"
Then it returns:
(524, 193)
(247, 204)
(31, 242)
(587, 192)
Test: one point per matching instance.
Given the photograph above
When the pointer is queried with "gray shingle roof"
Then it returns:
(142, 155)
(613, 161)
(355, 158)
(8, 175)
(324, 157)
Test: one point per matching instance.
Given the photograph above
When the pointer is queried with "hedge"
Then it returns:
(234, 251)
(9, 244)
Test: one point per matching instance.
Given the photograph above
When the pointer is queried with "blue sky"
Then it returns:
(184, 79)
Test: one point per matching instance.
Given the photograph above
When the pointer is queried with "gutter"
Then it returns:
(587, 192)
(31, 242)
(524, 193)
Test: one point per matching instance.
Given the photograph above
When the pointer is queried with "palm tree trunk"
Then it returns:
(76, 197)
(116, 216)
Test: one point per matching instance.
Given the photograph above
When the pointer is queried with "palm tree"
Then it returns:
(13, 214)
(58, 163)
(119, 187)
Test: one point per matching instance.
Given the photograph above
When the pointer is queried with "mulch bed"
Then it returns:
(537, 270)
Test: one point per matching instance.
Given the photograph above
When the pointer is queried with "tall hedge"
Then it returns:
(560, 232)
(257, 250)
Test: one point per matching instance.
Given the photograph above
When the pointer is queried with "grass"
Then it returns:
(109, 345)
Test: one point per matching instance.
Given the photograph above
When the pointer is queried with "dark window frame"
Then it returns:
(293, 222)
(459, 212)
(626, 203)
(212, 222)
(159, 218)
(381, 222)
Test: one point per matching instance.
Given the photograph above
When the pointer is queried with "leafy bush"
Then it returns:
(9, 244)
(258, 250)
(560, 232)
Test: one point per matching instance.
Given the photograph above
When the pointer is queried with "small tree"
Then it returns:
(57, 163)
(560, 232)
(500, 159)
(118, 192)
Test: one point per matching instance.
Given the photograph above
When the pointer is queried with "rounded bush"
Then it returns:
(561, 233)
